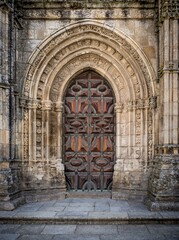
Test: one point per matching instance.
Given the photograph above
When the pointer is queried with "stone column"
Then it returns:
(9, 178)
(59, 110)
(46, 107)
(119, 162)
(163, 183)
(32, 106)
(56, 165)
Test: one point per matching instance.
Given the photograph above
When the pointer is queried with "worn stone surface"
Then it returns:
(92, 232)
(134, 46)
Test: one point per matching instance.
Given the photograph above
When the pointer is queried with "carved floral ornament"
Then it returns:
(169, 9)
(88, 45)
(147, 103)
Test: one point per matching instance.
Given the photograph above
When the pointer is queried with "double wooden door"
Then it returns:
(88, 133)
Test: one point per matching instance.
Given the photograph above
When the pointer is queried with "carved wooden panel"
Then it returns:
(88, 133)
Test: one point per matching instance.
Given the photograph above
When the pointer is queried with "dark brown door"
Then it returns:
(88, 133)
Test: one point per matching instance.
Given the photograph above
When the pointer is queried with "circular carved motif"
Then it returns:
(101, 162)
(76, 162)
(76, 89)
(102, 89)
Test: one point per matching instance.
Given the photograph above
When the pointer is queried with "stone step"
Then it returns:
(90, 194)
(87, 211)
(100, 220)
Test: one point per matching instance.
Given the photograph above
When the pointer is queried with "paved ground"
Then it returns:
(87, 219)
(88, 232)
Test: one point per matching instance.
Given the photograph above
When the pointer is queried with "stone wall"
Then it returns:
(127, 42)
(76, 33)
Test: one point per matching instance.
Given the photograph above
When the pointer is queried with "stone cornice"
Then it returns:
(77, 4)
(116, 13)
(91, 9)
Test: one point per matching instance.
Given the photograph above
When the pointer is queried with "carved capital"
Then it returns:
(142, 103)
(118, 107)
(59, 106)
(32, 104)
(46, 105)
(22, 102)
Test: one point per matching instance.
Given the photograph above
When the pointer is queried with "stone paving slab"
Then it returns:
(73, 237)
(59, 229)
(89, 211)
(89, 232)
(9, 236)
(96, 229)
(108, 215)
(36, 237)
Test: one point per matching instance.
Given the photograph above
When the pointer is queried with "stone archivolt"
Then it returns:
(83, 38)
(62, 56)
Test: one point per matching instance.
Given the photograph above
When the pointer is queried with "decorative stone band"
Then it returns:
(117, 12)
(29, 103)
(167, 149)
(61, 57)
(142, 104)
(58, 106)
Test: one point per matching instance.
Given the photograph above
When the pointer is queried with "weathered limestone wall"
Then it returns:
(128, 43)
(135, 21)
(164, 184)
(10, 170)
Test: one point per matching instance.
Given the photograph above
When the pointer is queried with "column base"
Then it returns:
(11, 204)
(156, 203)
(163, 192)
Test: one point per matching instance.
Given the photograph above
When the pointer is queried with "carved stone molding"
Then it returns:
(116, 13)
(116, 42)
(82, 62)
(142, 103)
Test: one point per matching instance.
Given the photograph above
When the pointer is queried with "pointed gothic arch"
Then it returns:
(116, 57)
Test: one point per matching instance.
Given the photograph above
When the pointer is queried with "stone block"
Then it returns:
(28, 229)
(9, 236)
(96, 229)
(37, 237)
(59, 229)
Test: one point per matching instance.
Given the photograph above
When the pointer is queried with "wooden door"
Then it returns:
(88, 133)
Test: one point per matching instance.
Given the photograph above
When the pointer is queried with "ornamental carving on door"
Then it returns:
(89, 133)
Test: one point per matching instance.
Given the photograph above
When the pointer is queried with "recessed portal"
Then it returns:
(88, 133)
